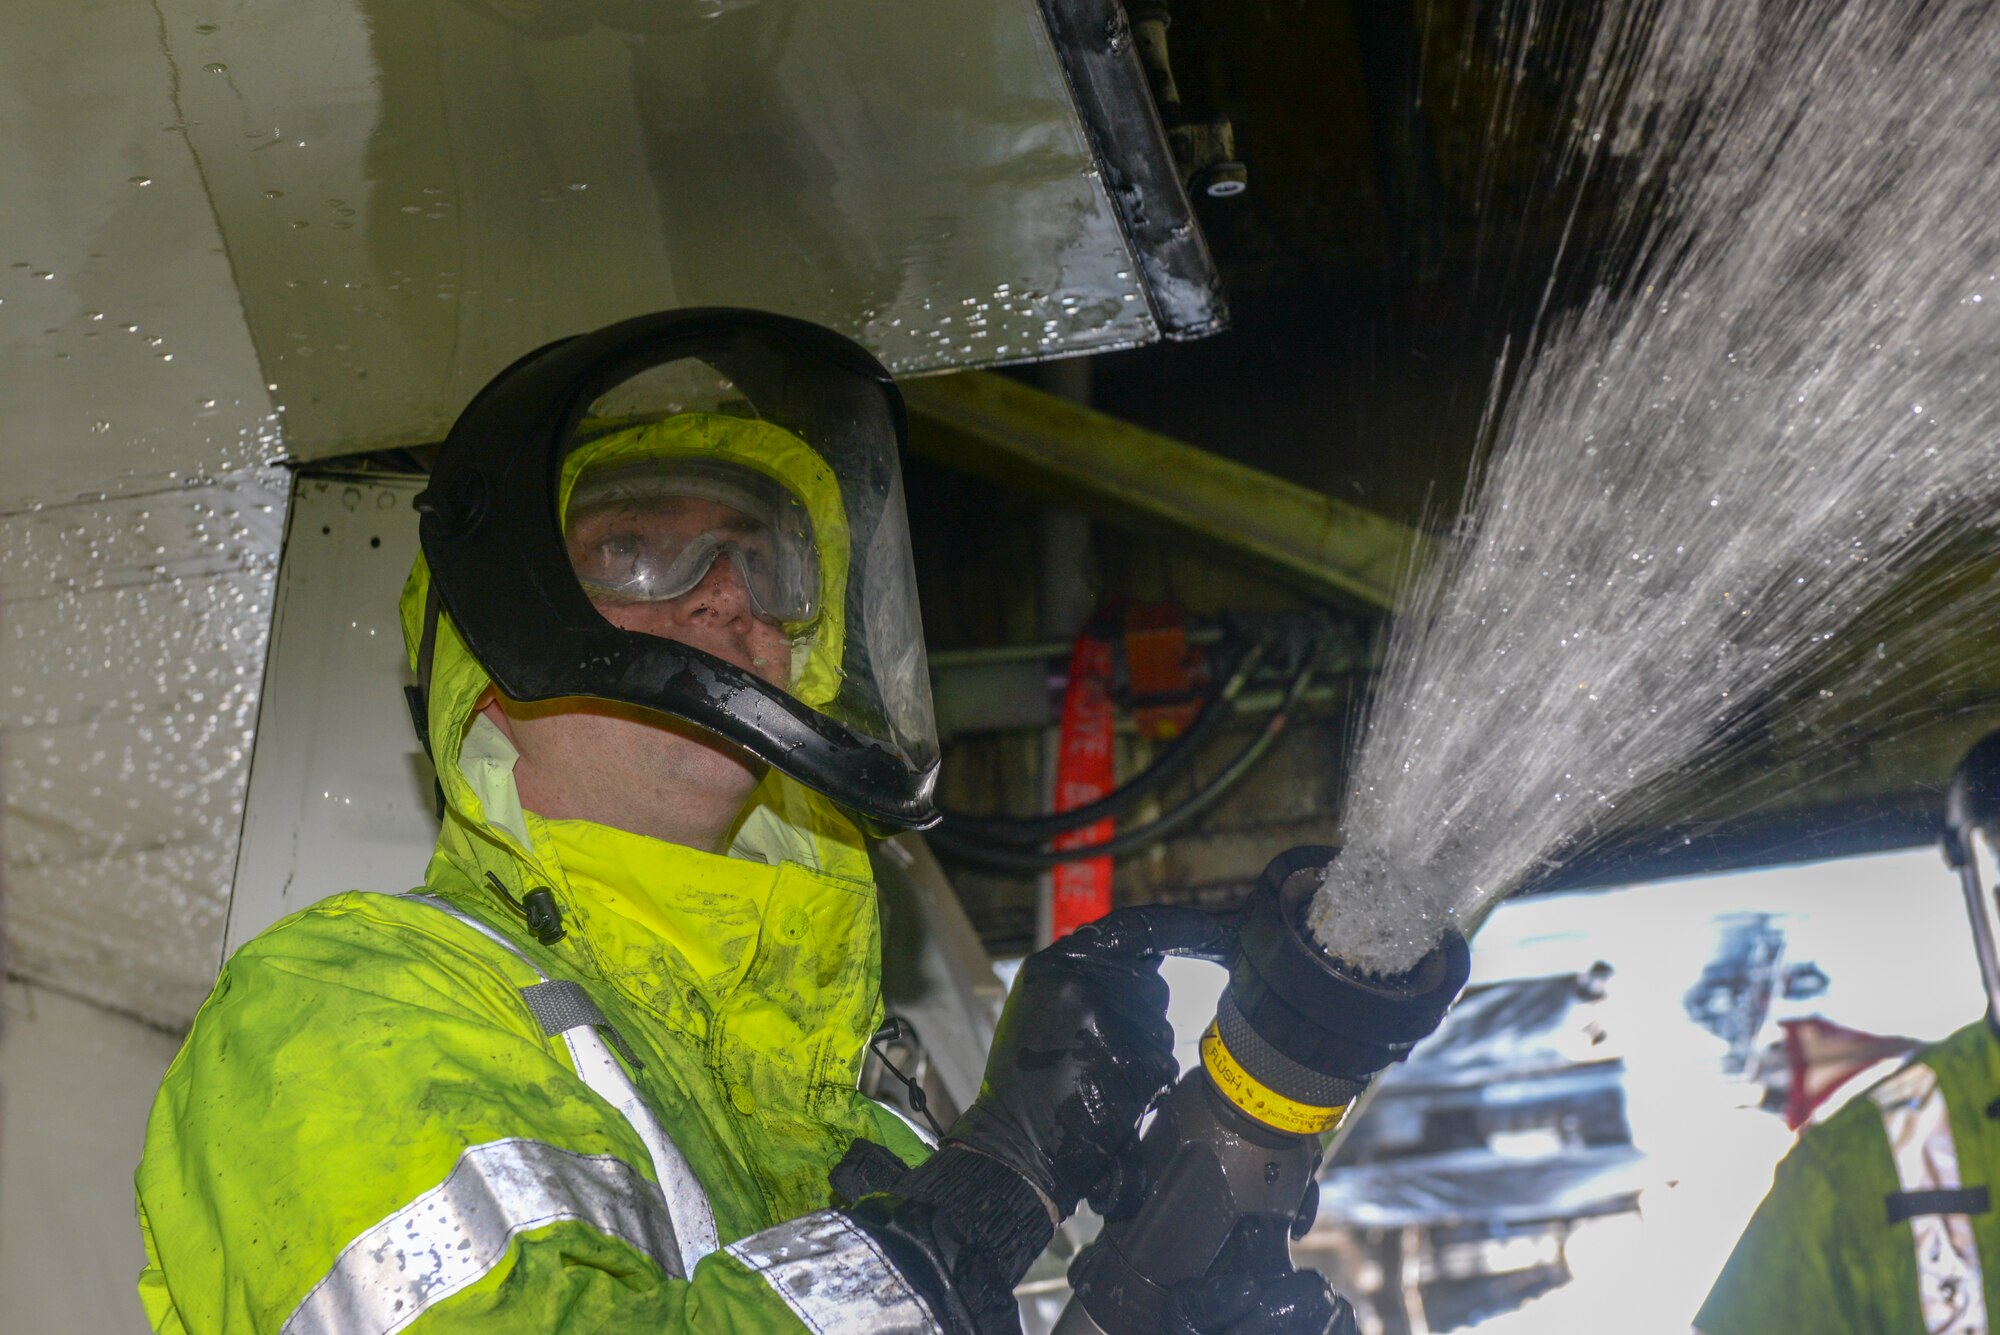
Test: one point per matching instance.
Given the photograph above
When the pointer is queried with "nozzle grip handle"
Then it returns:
(1204, 1169)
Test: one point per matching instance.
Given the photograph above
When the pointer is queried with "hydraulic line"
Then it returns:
(1001, 858)
(1031, 831)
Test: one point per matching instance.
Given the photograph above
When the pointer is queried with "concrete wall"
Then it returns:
(75, 1086)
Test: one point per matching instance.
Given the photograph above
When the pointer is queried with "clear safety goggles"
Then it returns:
(652, 531)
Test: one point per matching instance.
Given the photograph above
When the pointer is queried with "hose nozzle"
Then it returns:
(1298, 1033)
(1223, 1173)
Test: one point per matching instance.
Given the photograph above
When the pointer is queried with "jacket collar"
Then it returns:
(775, 945)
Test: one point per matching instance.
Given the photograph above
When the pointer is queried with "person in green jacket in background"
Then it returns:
(600, 1072)
(1881, 1218)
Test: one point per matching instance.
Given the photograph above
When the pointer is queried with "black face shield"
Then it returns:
(604, 485)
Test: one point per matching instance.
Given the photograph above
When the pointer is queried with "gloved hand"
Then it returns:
(1298, 1302)
(1083, 1048)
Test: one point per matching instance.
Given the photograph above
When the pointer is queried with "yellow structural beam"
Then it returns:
(1020, 437)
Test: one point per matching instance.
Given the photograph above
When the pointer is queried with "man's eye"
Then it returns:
(618, 548)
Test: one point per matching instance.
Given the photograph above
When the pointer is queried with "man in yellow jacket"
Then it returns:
(595, 1073)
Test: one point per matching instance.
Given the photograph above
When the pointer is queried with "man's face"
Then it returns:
(616, 547)
(630, 768)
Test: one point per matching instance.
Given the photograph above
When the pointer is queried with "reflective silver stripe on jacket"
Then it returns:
(834, 1278)
(455, 1233)
(686, 1202)
(1950, 1288)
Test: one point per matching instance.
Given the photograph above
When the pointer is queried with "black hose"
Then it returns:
(1032, 831)
(998, 858)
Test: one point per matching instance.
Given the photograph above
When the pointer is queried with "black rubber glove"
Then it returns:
(1083, 1048)
(1299, 1302)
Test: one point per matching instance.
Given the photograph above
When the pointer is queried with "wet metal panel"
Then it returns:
(124, 359)
(341, 796)
(132, 636)
(79, 1083)
(138, 534)
(415, 192)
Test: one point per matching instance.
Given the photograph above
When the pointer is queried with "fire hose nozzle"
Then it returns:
(1308, 1025)
(1223, 1172)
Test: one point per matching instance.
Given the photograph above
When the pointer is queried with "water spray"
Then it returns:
(1769, 415)
(1767, 418)
(1226, 1167)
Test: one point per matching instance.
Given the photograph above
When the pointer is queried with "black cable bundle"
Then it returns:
(1015, 844)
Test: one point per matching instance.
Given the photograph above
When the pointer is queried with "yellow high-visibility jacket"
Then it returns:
(407, 1113)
